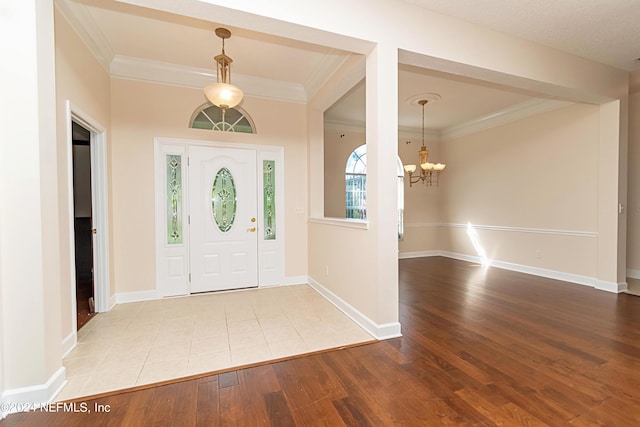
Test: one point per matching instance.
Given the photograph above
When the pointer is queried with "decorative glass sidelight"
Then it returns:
(174, 198)
(223, 200)
(269, 191)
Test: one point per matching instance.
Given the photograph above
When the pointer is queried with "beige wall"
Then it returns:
(361, 262)
(142, 111)
(81, 80)
(422, 204)
(338, 145)
(633, 208)
(535, 181)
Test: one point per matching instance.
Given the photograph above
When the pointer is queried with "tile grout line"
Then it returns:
(125, 324)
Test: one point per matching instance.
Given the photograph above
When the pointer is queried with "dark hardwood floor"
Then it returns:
(84, 269)
(84, 290)
(479, 348)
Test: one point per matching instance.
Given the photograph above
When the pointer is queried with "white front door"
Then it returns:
(223, 207)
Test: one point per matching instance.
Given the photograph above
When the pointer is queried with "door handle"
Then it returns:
(252, 229)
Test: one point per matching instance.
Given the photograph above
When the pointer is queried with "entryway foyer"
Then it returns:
(148, 342)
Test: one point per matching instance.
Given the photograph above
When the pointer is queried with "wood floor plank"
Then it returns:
(278, 410)
(207, 402)
(486, 408)
(480, 347)
(320, 413)
(185, 405)
(230, 412)
(227, 379)
(160, 405)
(350, 413)
(306, 380)
(390, 399)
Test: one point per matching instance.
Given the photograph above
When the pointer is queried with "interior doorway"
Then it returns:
(83, 224)
(79, 124)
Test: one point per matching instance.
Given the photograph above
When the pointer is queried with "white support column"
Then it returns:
(612, 198)
(29, 218)
(315, 160)
(382, 152)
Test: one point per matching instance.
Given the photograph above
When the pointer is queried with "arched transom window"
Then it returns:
(209, 116)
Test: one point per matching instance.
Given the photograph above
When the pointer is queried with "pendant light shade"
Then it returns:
(222, 93)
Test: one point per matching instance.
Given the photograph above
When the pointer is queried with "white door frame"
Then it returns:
(270, 252)
(99, 210)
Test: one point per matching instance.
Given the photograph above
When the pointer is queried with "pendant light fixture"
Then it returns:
(427, 169)
(222, 93)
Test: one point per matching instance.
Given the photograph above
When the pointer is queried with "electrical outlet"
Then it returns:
(326, 270)
(538, 254)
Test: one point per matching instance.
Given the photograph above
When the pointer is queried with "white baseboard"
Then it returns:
(551, 274)
(418, 254)
(125, 297)
(542, 272)
(33, 396)
(611, 286)
(633, 274)
(535, 271)
(290, 280)
(69, 343)
(461, 257)
(380, 332)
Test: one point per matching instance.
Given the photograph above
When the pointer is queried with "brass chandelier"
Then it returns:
(222, 93)
(429, 172)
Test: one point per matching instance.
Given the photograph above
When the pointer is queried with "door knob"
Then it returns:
(252, 229)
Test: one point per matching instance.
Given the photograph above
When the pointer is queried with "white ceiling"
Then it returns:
(605, 31)
(118, 33)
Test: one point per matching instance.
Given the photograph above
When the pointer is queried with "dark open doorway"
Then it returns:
(83, 223)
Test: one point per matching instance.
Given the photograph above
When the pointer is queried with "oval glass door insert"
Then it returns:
(223, 200)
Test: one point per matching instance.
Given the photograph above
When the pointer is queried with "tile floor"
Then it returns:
(146, 342)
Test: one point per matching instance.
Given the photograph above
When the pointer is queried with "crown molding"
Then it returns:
(416, 133)
(498, 118)
(349, 126)
(404, 132)
(127, 67)
(87, 29)
(502, 117)
(323, 72)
